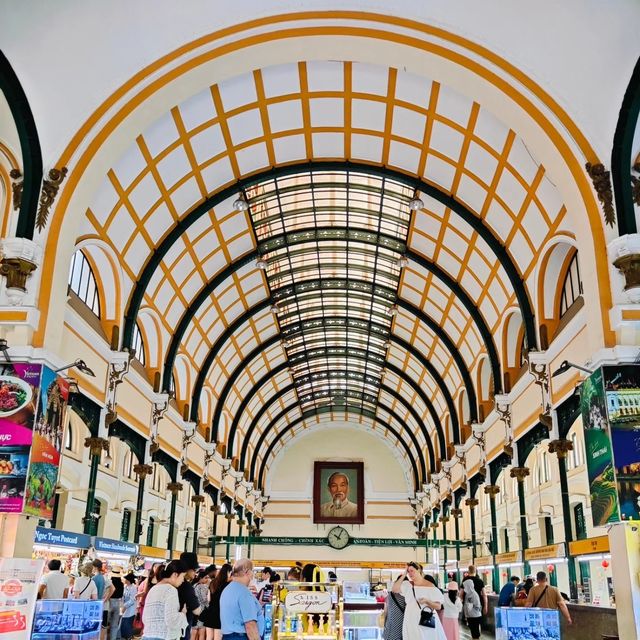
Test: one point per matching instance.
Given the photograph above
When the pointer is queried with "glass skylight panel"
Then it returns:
(332, 241)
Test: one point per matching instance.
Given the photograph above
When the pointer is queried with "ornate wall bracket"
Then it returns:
(143, 470)
(16, 187)
(158, 409)
(50, 188)
(96, 445)
(174, 488)
(601, 180)
(519, 473)
(492, 490)
(561, 447)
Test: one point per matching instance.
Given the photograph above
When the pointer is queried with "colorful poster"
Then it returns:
(599, 454)
(622, 388)
(48, 438)
(19, 580)
(19, 387)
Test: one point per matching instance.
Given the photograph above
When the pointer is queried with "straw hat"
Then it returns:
(452, 586)
(116, 572)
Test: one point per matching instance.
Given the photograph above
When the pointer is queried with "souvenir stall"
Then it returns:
(148, 556)
(593, 571)
(66, 546)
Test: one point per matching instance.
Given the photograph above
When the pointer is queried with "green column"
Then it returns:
(561, 448)
(229, 518)
(197, 501)
(172, 517)
(445, 520)
(493, 491)
(96, 446)
(214, 533)
(141, 470)
(457, 513)
(472, 503)
(520, 473)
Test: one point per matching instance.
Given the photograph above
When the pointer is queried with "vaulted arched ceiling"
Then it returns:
(331, 293)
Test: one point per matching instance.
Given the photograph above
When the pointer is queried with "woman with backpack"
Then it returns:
(394, 607)
(452, 607)
(475, 602)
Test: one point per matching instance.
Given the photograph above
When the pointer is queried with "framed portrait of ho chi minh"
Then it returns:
(338, 492)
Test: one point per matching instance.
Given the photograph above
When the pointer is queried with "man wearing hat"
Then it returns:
(186, 593)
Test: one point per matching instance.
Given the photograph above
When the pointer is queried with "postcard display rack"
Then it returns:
(308, 611)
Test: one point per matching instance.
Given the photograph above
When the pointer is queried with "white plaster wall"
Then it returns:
(94, 47)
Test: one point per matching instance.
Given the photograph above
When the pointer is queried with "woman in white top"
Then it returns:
(419, 594)
(162, 617)
(452, 607)
(84, 588)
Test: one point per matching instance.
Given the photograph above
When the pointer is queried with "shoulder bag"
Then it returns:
(427, 618)
(535, 604)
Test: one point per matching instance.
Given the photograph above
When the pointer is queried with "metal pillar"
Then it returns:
(214, 533)
(172, 520)
(561, 448)
(229, 518)
(472, 503)
(520, 473)
(493, 491)
(456, 513)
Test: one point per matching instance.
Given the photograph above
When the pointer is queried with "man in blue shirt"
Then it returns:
(240, 613)
(508, 592)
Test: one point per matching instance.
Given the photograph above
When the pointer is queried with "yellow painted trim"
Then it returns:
(13, 316)
(554, 135)
(630, 314)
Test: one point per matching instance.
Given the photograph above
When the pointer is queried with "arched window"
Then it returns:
(94, 517)
(572, 285)
(156, 478)
(83, 283)
(127, 468)
(126, 525)
(543, 469)
(577, 457)
(548, 530)
(68, 438)
(137, 344)
(151, 530)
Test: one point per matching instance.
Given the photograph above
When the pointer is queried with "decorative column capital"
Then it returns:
(629, 267)
(456, 513)
(96, 445)
(434, 525)
(492, 490)
(519, 473)
(175, 488)
(20, 258)
(561, 447)
(197, 499)
(143, 470)
(444, 519)
(471, 502)
(229, 516)
(624, 253)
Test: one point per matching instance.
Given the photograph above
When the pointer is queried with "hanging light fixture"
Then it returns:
(415, 204)
(261, 263)
(393, 309)
(403, 261)
(274, 308)
(240, 204)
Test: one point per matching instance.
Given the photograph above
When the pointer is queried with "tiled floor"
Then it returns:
(465, 635)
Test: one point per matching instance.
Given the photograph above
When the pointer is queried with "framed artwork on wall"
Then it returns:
(338, 492)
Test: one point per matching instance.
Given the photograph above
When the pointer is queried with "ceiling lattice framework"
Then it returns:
(332, 272)
(306, 112)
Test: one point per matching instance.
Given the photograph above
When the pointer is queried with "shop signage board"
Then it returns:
(19, 580)
(366, 542)
(58, 538)
(346, 564)
(509, 557)
(484, 561)
(599, 544)
(599, 452)
(152, 552)
(545, 553)
(308, 602)
(115, 546)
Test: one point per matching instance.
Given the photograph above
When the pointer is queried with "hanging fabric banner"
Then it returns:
(19, 395)
(622, 389)
(598, 451)
(48, 439)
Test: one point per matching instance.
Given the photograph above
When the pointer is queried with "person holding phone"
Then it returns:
(420, 595)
